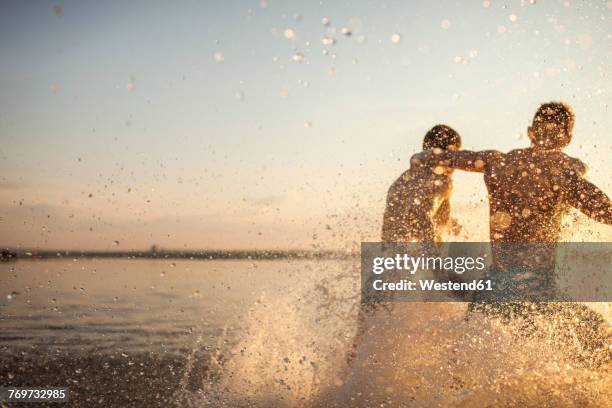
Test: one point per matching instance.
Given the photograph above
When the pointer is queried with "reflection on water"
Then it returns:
(134, 305)
(273, 333)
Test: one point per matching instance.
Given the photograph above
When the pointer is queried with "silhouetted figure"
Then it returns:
(418, 206)
(417, 210)
(530, 191)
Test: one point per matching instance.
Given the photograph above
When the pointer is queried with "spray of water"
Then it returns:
(293, 353)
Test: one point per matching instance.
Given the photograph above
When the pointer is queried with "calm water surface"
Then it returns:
(135, 304)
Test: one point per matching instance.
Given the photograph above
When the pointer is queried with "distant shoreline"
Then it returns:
(187, 254)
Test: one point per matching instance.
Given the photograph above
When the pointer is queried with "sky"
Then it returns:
(274, 124)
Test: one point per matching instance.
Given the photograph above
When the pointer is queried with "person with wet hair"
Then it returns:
(532, 189)
(418, 206)
(417, 210)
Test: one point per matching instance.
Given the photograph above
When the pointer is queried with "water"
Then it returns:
(270, 333)
(136, 304)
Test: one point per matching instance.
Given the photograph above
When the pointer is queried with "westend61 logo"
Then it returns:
(486, 272)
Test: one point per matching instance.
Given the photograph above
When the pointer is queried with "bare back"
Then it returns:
(531, 190)
(527, 194)
(414, 200)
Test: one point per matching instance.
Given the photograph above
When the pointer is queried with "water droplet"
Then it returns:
(219, 57)
(346, 31)
(445, 24)
(240, 95)
(501, 29)
(307, 125)
(325, 21)
(298, 57)
(297, 17)
(325, 40)
(289, 34)
(512, 17)
(501, 220)
(396, 38)
(115, 243)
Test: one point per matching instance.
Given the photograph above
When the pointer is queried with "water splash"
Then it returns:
(293, 352)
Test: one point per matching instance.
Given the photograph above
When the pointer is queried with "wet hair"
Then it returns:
(552, 125)
(441, 137)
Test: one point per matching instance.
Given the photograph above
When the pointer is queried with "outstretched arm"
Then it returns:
(465, 160)
(586, 197)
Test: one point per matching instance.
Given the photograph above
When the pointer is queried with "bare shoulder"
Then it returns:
(575, 165)
(400, 182)
(521, 152)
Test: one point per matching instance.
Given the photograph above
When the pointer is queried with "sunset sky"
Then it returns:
(249, 124)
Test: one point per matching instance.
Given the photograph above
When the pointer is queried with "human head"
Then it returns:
(442, 137)
(552, 126)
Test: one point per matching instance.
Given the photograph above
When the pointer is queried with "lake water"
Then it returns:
(139, 332)
(137, 304)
